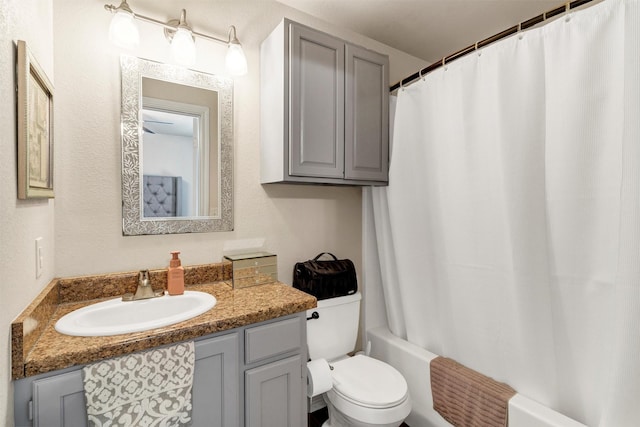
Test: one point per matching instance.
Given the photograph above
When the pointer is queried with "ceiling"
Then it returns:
(167, 123)
(426, 29)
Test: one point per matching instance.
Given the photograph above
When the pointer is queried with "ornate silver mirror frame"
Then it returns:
(133, 222)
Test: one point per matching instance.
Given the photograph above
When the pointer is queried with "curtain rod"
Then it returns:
(504, 34)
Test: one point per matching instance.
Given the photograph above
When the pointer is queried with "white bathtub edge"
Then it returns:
(525, 412)
(413, 363)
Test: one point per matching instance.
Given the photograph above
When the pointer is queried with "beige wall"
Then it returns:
(85, 234)
(21, 221)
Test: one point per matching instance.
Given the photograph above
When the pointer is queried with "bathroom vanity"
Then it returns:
(250, 367)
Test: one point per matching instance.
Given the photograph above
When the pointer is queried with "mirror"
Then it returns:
(177, 149)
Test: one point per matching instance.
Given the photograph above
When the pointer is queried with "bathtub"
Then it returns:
(413, 362)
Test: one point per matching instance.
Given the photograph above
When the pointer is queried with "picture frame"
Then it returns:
(35, 127)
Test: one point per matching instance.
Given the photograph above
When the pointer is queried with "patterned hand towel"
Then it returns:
(466, 398)
(149, 388)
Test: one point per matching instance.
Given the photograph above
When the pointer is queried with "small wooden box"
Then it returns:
(251, 269)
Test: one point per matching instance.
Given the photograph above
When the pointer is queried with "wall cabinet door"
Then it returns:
(273, 394)
(316, 105)
(58, 400)
(366, 115)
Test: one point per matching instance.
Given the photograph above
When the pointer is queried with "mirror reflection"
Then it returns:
(170, 175)
(177, 149)
(180, 150)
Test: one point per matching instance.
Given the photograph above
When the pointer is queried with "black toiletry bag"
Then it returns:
(325, 278)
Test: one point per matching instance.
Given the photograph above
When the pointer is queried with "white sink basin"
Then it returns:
(115, 316)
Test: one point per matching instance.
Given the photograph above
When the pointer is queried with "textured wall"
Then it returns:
(21, 222)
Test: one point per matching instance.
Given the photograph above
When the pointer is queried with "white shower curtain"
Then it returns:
(509, 236)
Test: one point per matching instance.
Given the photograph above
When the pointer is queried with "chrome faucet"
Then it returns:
(144, 289)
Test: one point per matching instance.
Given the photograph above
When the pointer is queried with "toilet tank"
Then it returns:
(335, 331)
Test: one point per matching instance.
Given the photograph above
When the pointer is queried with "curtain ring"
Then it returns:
(401, 86)
(567, 11)
(420, 74)
(520, 36)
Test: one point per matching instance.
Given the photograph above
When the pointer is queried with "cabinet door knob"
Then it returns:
(314, 315)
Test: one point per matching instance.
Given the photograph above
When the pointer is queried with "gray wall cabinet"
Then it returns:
(259, 378)
(324, 109)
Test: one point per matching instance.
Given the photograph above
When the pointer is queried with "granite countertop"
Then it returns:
(50, 350)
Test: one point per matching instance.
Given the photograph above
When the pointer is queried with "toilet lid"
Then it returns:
(369, 382)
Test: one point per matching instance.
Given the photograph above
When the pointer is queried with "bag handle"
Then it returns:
(325, 253)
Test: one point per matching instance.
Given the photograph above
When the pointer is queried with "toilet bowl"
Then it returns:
(366, 392)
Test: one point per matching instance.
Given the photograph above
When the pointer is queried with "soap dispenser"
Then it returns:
(175, 277)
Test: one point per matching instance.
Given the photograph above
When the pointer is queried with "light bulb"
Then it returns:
(123, 31)
(183, 47)
(235, 61)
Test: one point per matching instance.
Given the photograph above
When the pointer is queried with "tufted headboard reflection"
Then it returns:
(161, 196)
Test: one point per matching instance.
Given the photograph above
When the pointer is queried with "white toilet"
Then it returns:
(366, 392)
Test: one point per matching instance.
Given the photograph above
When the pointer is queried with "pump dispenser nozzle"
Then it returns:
(175, 261)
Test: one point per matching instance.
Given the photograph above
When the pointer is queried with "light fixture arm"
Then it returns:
(182, 23)
(235, 37)
(208, 37)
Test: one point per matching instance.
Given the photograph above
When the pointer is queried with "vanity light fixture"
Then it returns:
(235, 61)
(183, 46)
(124, 33)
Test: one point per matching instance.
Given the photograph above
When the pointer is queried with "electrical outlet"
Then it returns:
(39, 257)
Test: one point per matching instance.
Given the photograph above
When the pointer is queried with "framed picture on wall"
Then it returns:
(35, 127)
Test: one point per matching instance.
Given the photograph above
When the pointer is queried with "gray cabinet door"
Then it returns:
(58, 400)
(366, 115)
(273, 394)
(316, 104)
(216, 395)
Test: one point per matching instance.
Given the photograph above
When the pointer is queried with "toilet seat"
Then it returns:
(368, 382)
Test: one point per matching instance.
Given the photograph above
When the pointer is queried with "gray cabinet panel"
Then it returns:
(59, 401)
(273, 394)
(367, 115)
(215, 384)
(316, 105)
